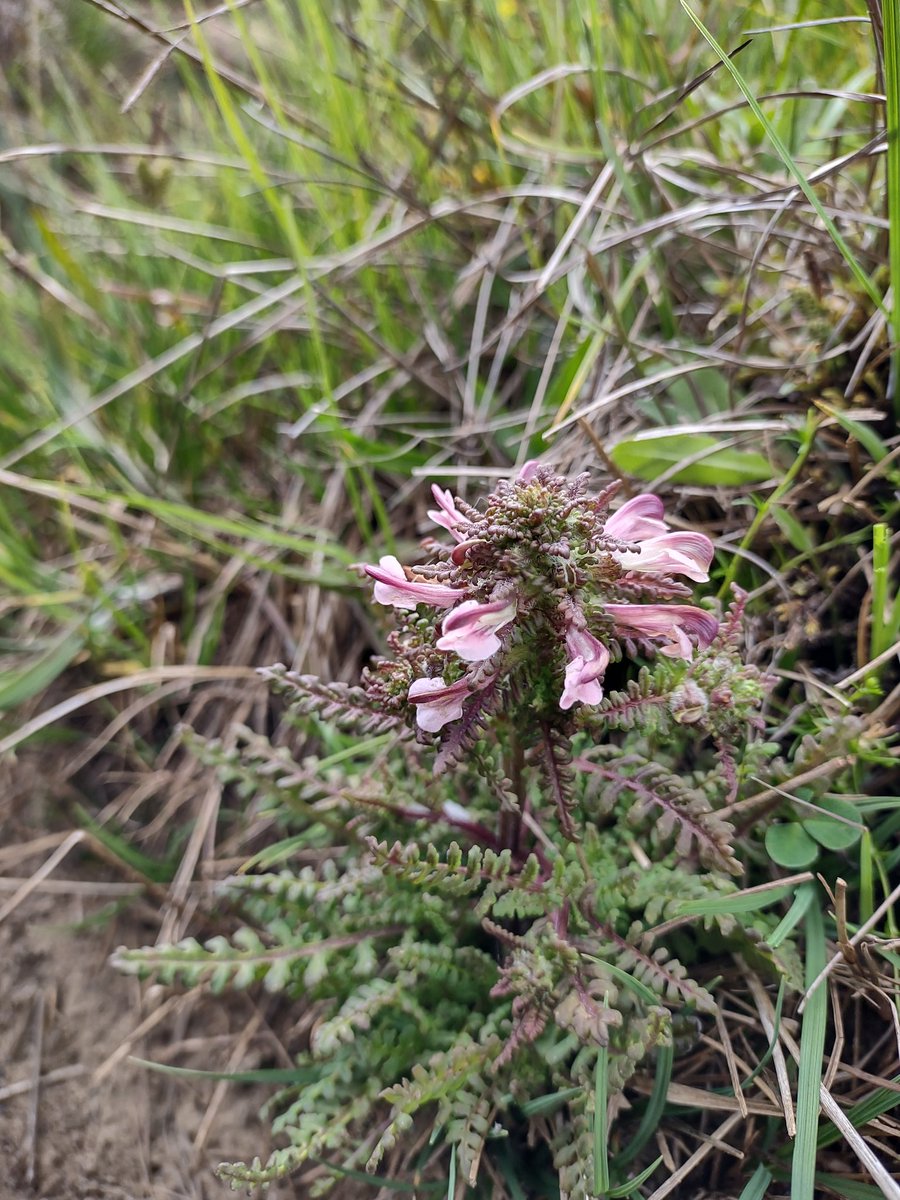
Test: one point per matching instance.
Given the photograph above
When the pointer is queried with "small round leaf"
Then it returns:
(834, 834)
(791, 846)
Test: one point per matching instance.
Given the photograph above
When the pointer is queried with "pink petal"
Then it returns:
(392, 587)
(470, 630)
(673, 621)
(588, 660)
(437, 703)
(582, 682)
(447, 514)
(528, 471)
(638, 518)
(670, 554)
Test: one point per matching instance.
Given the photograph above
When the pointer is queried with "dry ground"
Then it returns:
(78, 1120)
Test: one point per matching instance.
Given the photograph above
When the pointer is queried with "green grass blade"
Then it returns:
(550, 1102)
(890, 15)
(649, 1123)
(627, 1189)
(451, 1175)
(770, 1049)
(880, 1101)
(751, 900)
(757, 1184)
(601, 1132)
(885, 612)
(812, 1046)
(39, 672)
(792, 917)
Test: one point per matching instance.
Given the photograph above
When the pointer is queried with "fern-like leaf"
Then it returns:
(310, 1139)
(556, 763)
(655, 968)
(447, 1073)
(682, 811)
(244, 960)
(345, 707)
(572, 1147)
(470, 1115)
(642, 704)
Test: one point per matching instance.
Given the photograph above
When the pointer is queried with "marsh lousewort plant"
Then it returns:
(498, 854)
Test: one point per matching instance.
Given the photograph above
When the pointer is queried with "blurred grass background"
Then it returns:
(266, 264)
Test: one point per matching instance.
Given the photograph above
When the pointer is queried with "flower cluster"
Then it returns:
(546, 574)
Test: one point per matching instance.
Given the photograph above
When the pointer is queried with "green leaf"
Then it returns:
(791, 846)
(736, 902)
(626, 1189)
(792, 917)
(838, 834)
(850, 1189)
(809, 1074)
(601, 1131)
(876, 1104)
(718, 465)
(795, 532)
(150, 868)
(549, 1103)
(570, 379)
(866, 437)
(39, 673)
(757, 1185)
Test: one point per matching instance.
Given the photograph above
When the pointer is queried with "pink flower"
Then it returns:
(447, 515)
(670, 554)
(392, 587)
(588, 660)
(437, 703)
(470, 630)
(528, 471)
(639, 518)
(673, 621)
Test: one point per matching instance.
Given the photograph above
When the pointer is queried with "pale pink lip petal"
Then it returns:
(392, 587)
(582, 682)
(638, 518)
(670, 554)
(669, 621)
(437, 703)
(447, 515)
(470, 630)
(528, 471)
(588, 660)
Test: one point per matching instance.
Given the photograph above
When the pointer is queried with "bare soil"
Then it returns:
(78, 1119)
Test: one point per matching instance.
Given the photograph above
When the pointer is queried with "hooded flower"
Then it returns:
(470, 630)
(672, 621)
(637, 519)
(447, 515)
(588, 660)
(437, 703)
(670, 554)
(392, 587)
(528, 471)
